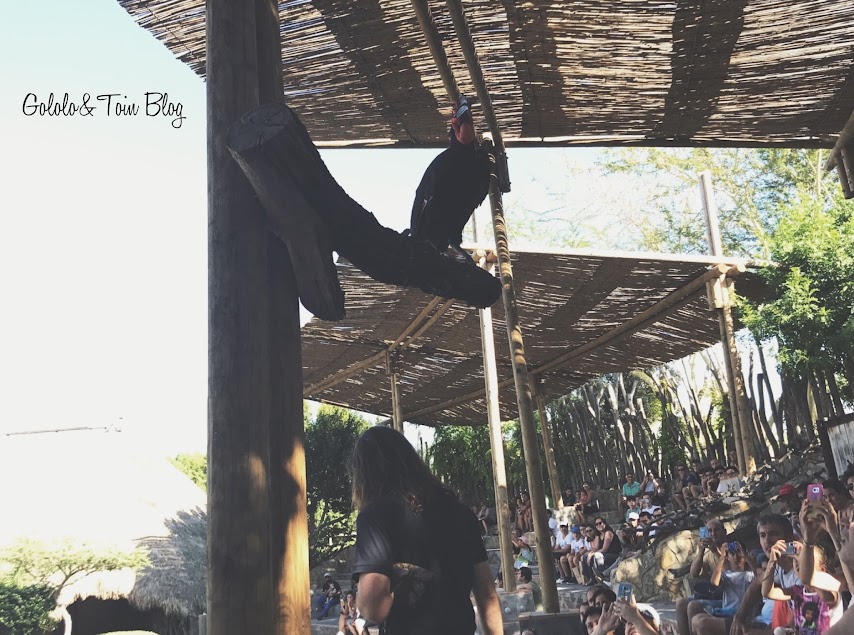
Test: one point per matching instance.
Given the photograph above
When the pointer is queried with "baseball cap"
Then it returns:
(786, 489)
(634, 515)
(650, 613)
(564, 524)
(574, 528)
(327, 575)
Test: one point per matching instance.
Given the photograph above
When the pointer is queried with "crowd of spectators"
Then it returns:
(791, 578)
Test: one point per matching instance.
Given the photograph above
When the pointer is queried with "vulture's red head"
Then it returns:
(462, 125)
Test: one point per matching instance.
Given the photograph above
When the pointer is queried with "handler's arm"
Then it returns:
(375, 597)
(488, 606)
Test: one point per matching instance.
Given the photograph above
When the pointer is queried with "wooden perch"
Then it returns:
(313, 215)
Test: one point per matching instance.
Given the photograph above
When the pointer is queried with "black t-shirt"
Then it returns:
(443, 542)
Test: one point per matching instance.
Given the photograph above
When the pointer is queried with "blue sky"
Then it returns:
(103, 227)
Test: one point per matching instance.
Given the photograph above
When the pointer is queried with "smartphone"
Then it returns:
(732, 547)
(815, 492)
(624, 591)
(790, 549)
(704, 532)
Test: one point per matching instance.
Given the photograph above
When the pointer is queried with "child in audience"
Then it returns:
(814, 603)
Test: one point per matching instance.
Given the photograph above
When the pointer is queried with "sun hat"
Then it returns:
(634, 515)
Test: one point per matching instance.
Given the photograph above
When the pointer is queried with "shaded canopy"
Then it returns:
(604, 72)
(583, 314)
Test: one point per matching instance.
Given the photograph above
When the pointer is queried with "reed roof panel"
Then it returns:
(565, 301)
(607, 72)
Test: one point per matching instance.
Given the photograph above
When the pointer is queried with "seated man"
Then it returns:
(631, 507)
(702, 567)
(630, 537)
(329, 596)
(562, 548)
(686, 488)
(773, 529)
(731, 482)
(630, 488)
(525, 582)
(568, 497)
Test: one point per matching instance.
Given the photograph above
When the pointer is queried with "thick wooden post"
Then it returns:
(257, 530)
(720, 299)
(551, 465)
(239, 573)
(496, 443)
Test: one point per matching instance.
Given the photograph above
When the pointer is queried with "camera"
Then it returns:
(624, 591)
(790, 549)
(732, 547)
(815, 492)
(704, 532)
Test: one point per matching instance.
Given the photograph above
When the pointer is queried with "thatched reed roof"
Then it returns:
(96, 489)
(583, 314)
(739, 72)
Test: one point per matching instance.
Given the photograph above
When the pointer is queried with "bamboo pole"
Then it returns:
(496, 443)
(514, 330)
(391, 364)
(548, 448)
(721, 300)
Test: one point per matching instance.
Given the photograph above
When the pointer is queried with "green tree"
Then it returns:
(30, 566)
(329, 440)
(751, 188)
(810, 308)
(195, 466)
(25, 610)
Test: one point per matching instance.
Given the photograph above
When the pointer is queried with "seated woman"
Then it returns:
(521, 549)
(596, 561)
(349, 615)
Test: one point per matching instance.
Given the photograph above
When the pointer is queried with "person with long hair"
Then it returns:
(597, 560)
(412, 578)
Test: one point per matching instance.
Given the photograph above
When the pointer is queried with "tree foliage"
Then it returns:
(34, 574)
(25, 609)
(329, 440)
(811, 305)
(195, 466)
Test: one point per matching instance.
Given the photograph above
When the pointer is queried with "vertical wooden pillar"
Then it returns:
(257, 530)
(720, 299)
(548, 448)
(496, 443)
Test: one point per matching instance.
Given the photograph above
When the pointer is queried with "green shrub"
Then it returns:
(25, 610)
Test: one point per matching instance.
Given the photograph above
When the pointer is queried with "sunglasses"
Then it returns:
(849, 486)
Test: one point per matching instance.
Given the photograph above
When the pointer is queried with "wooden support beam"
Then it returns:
(842, 158)
(418, 323)
(496, 443)
(275, 152)
(719, 298)
(257, 530)
(548, 447)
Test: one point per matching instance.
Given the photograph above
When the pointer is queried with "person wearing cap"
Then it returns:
(640, 619)
(329, 596)
(563, 542)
